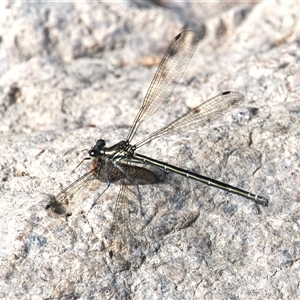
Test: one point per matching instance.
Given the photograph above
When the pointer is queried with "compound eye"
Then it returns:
(93, 153)
(100, 144)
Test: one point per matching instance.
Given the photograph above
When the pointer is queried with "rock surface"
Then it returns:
(72, 73)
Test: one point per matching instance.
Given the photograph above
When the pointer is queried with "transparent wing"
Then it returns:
(198, 116)
(169, 72)
(103, 174)
(67, 200)
(128, 218)
(121, 239)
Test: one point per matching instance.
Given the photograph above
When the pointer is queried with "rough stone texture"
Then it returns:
(72, 73)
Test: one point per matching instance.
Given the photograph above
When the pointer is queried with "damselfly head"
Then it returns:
(98, 149)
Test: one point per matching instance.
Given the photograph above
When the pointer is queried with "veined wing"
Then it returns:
(198, 116)
(68, 199)
(103, 173)
(169, 72)
(122, 239)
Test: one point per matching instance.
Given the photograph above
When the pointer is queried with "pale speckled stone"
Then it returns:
(70, 75)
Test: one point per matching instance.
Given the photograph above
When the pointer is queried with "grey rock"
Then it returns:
(72, 73)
